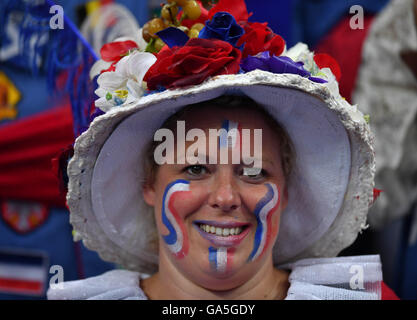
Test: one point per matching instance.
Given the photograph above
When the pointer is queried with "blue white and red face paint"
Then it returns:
(177, 239)
(230, 137)
(221, 258)
(263, 212)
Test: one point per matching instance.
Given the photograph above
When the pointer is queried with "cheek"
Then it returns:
(187, 203)
(267, 221)
(178, 201)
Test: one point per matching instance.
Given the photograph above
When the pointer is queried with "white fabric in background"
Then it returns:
(386, 89)
(310, 279)
(341, 278)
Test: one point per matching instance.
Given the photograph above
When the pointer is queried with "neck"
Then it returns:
(169, 283)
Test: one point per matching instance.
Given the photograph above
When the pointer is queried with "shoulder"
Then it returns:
(112, 285)
(340, 278)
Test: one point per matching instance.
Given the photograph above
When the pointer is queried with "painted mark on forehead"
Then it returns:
(221, 258)
(263, 212)
(230, 137)
(177, 239)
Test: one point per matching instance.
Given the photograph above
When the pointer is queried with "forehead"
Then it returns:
(213, 116)
(208, 116)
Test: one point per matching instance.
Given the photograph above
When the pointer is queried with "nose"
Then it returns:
(224, 195)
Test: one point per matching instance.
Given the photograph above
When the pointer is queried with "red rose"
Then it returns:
(259, 37)
(237, 8)
(193, 63)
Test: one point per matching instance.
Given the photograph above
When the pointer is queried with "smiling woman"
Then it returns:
(222, 222)
(266, 223)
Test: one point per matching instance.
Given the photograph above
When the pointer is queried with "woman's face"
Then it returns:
(218, 222)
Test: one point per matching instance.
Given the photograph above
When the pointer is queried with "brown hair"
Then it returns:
(229, 101)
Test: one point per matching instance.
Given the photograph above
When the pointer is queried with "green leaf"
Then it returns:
(151, 46)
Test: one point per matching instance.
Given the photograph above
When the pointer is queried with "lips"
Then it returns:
(221, 233)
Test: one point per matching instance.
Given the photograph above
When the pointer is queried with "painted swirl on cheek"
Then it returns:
(263, 212)
(177, 239)
(221, 259)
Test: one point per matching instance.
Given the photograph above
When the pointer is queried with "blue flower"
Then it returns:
(281, 64)
(222, 26)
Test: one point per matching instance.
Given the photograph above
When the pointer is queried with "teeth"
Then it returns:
(224, 232)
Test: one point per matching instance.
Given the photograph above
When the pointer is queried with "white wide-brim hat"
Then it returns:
(330, 188)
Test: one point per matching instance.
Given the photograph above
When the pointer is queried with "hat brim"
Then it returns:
(330, 188)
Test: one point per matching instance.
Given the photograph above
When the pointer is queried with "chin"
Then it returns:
(225, 282)
(220, 281)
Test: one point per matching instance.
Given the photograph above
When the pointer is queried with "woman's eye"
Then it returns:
(253, 173)
(196, 170)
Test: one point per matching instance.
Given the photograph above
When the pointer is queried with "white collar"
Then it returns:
(341, 278)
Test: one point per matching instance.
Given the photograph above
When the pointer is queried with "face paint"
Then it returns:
(263, 212)
(177, 239)
(231, 137)
(221, 258)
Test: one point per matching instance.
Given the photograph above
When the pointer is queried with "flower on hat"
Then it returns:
(324, 60)
(320, 65)
(267, 62)
(300, 52)
(237, 8)
(125, 83)
(227, 44)
(111, 53)
(259, 37)
(222, 26)
(192, 63)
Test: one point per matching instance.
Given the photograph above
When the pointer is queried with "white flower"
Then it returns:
(297, 50)
(332, 83)
(301, 53)
(125, 83)
(98, 66)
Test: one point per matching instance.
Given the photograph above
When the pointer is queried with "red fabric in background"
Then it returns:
(387, 293)
(345, 45)
(26, 149)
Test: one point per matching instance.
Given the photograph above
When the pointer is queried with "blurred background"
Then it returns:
(44, 85)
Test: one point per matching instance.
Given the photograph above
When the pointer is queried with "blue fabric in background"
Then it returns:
(315, 18)
(139, 8)
(277, 13)
(54, 238)
(35, 97)
(406, 269)
(306, 20)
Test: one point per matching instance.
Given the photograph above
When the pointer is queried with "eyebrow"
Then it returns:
(207, 159)
(202, 155)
